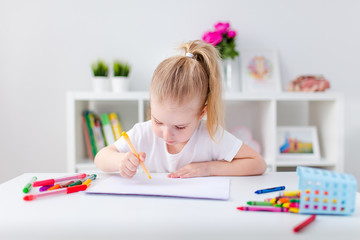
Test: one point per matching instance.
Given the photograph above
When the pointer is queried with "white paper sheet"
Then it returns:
(160, 185)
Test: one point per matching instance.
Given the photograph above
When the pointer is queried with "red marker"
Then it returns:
(56, 180)
(67, 190)
(305, 223)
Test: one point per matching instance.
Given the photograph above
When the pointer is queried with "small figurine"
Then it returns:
(308, 83)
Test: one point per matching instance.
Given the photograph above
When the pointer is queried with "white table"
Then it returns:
(88, 216)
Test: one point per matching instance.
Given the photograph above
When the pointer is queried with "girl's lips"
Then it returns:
(170, 142)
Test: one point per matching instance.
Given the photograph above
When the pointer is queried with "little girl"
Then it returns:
(177, 140)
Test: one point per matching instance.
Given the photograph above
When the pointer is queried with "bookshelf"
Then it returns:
(260, 113)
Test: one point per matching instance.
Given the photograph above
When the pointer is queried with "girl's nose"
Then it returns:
(167, 133)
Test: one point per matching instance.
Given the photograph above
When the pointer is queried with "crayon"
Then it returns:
(266, 209)
(292, 193)
(294, 205)
(267, 190)
(259, 203)
(286, 205)
(282, 200)
(294, 210)
(305, 223)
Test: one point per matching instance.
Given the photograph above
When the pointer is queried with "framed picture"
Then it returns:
(297, 143)
(260, 71)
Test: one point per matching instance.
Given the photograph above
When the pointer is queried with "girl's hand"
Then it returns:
(199, 169)
(129, 164)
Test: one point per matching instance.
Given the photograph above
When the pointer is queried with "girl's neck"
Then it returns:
(175, 149)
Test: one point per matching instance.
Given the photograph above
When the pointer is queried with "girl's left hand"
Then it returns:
(200, 169)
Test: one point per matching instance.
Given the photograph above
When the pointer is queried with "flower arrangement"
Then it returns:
(223, 38)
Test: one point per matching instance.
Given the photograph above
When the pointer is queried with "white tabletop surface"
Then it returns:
(87, 216)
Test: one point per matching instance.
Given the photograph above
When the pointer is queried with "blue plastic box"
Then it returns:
(326, 192)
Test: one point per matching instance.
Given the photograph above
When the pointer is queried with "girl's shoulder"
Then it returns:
(142, 128)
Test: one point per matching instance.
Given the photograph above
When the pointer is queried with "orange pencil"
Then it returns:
(127, 139)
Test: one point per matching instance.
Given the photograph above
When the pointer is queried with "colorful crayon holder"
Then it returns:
(326, 192)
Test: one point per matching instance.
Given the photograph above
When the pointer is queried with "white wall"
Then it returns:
(46, 48)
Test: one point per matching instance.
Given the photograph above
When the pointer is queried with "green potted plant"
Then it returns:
(101, 82)
(120, 80)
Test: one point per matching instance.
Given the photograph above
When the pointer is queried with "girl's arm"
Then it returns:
(246, 162)
(109, 159)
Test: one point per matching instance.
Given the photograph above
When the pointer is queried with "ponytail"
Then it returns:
(192, 74)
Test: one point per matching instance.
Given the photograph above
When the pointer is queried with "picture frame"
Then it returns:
(297, 143)
(260, 70)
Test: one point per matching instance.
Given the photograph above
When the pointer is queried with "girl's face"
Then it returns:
(173, 122)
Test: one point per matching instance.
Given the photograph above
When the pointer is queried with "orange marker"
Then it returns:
(127, 139)
(54, 187)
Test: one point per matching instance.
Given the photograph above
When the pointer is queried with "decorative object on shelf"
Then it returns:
(297, 143)
(244, 134)
(120, 80)
(101, 82)
(260, 71)
(308, 83)
(223, 38)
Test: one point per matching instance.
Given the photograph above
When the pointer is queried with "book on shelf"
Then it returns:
(107, 129)
(100, 131)
(91, 145)
(115, 124)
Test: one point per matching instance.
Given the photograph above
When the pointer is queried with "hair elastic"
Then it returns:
(190, 55)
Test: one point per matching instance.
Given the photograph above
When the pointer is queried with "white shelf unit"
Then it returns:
(260, 113)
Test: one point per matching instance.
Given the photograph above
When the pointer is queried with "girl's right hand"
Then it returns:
(129, 164)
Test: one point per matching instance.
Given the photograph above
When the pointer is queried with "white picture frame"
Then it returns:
(297, 143)
(260, 70)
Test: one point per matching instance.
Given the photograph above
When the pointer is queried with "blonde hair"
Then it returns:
(183, 77)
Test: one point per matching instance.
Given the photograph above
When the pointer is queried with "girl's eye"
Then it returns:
(180, 127)
(157, 123)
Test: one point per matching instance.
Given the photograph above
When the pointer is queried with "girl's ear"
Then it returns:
(203, 112)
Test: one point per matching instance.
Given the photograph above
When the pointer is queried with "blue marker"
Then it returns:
(266, 190)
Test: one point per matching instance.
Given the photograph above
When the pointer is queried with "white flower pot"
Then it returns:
(120, 84)
(101, 84)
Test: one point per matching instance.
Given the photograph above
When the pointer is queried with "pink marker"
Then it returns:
(267, 209)
(67, 190)
(56, 180)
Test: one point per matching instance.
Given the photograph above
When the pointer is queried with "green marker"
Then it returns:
(295, 200)
(259, 203)
(76, 183)
(28, 186)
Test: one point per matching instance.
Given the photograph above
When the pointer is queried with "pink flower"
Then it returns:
(214, 38)
(231, 34)
(222, 27)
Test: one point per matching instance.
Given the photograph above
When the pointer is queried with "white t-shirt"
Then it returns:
(200, 147)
